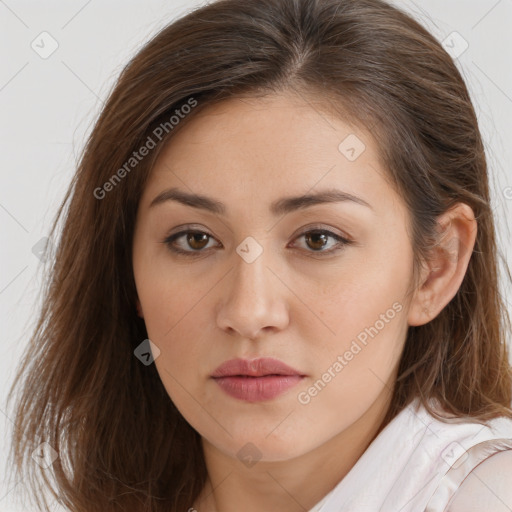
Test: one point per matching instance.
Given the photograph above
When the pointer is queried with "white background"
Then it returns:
(48, 106)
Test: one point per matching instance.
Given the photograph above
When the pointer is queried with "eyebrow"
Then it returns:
(279, 207)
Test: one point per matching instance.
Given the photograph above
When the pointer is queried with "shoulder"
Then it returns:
(488, 488)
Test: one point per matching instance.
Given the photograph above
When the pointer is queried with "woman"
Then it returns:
(276, 286)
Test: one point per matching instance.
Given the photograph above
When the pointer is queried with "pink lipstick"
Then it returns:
(257, 379)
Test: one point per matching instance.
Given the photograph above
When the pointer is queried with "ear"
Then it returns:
(139, 309)
(444, 272)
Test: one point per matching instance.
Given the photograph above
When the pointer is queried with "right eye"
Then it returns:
(194, 239)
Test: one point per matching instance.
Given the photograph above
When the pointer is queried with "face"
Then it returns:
(320, 286)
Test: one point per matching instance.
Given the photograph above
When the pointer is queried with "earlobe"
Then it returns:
(443, 274)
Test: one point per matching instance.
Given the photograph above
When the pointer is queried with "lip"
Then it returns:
(257, 379)
(259, 367)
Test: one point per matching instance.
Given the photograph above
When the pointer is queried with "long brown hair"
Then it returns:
(121, 442)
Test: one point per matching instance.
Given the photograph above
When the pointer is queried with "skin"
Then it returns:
(290, 303)
(487, 487)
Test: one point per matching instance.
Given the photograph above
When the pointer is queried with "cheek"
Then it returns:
(357, 366)
(172, 322)
(169, 296)
(364, 319)
(175, 309)
(352, 294)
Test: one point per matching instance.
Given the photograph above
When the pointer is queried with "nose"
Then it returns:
(255, 301)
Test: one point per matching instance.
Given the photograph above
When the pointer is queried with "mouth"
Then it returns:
(256, 380)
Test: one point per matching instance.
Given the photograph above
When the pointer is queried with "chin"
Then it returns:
(259, 448)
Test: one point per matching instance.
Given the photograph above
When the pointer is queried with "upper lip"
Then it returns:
(254, 368)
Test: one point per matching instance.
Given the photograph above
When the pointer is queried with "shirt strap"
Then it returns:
(461, 468)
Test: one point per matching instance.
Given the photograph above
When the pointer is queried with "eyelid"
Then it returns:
(321, 227)
(342, 239)
(186, 229)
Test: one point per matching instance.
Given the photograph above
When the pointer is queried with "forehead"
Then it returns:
(285, 125)
(259, 148)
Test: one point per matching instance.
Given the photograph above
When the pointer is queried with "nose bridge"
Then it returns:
(250, 279)
(253, 301)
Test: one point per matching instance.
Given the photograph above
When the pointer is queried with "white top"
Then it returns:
(416, 463)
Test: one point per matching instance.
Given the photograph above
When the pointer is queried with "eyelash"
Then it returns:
(342, 242)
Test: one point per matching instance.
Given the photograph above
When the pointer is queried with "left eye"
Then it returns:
(316, 239)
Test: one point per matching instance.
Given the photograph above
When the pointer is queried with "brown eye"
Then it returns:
(197, 241)
(316, 240)
(322, 241)
(189, 242)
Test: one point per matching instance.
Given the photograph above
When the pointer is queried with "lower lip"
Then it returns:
(257, 389)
